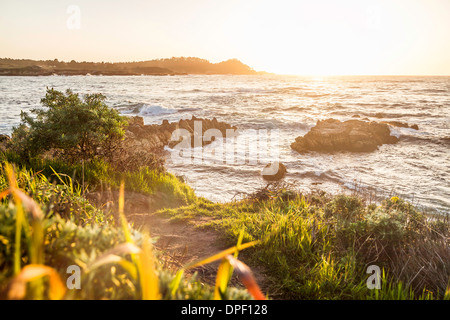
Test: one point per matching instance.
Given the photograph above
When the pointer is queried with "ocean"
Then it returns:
(416, 168)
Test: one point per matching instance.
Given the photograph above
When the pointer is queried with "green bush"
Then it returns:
(76, 129)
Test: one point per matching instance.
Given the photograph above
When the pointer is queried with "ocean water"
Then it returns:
(417, 168)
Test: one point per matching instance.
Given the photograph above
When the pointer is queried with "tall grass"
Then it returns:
(318, 246)
(116, 262)
(312, 246)
(98, 175)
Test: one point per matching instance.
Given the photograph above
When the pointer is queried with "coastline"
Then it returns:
(292, 105)
(172, 66)
(318, 245)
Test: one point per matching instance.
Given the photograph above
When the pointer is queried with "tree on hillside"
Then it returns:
(78, 129)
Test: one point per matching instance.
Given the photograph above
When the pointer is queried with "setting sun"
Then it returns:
(342, 37)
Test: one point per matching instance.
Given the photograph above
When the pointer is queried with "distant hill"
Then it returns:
(172, 66)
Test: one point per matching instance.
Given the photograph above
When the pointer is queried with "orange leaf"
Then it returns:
(246, 275)
(17, 288)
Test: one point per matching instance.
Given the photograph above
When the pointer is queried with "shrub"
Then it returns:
(345, 207)
(75, 128)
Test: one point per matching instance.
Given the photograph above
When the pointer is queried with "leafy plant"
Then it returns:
(74, 128)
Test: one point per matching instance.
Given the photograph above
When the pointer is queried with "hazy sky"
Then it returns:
(291, 37)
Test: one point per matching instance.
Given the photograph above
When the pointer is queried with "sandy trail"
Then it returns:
(181, 243)
(178, 242)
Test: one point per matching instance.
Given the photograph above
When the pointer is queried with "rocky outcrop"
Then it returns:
(153, 138)
(332, 135)
(274, 171)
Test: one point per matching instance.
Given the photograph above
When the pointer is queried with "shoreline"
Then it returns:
(318, 244)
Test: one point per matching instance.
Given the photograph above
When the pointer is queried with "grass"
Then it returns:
(319, 246)
(40, 238)
(99, 175)
(311, 246)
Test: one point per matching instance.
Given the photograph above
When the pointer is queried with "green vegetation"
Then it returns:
(44, 228)
(100, 175)
(317, 246)
(310, 246)
(172, 66)
(80, 139)
(76, 129)
(47, 225)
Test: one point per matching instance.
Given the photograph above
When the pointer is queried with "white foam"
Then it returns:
(155, 110)
(395, 132)
(400, 131)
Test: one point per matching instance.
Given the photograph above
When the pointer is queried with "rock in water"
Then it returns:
(274, 171)
(332, 135)
(154, 137)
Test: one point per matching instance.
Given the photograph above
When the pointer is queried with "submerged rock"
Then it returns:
(274, 171)
(332, 135)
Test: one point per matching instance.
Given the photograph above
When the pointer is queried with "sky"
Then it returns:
(310, 37)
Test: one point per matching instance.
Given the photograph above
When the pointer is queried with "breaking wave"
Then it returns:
(143, 109)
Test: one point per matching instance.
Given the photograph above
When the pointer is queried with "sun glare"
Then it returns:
(322, 37)
(336, 38)
(301, 43)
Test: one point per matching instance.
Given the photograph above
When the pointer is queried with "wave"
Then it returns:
(277, 109)
(191, 91)
(314, 95)
(432, 91)
(188, 110)
(320, 175)
(156, 110)
(295, 109)
(391, 115)
(270, 109)
(377, 115)
(253, 90)
(300, 91)
(143, 109)
(419, 137)
(331, 106)
(443, 141)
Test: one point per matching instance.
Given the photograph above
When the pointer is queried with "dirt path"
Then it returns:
(179, 243)
(183, 242)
